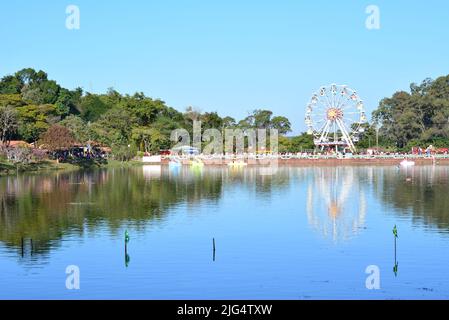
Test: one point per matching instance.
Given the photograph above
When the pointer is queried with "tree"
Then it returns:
(261, 118)
(92, 107)
(28, 76)
(245, 124)
(229, 122)
(45, 92)
(418, 117)
(35, 120)
(113, 128)
(36, 88)
(68, 102)
(80, 130)
(10, 85)
(282, 124)
(123, 153)
(301, 143)
(8, 124)
(211, 120)
(144, 110)
(12, 100)
(148, 139)
(56, 138)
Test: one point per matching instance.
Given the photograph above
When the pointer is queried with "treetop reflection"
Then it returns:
(47, 208)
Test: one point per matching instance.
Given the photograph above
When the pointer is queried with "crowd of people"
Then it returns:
(80, 154)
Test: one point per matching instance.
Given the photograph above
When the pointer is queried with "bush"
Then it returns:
(124, 153)
(19, 155)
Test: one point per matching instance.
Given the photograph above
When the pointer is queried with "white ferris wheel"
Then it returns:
(335, 116)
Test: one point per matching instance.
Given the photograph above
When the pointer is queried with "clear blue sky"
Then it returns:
(229, 56)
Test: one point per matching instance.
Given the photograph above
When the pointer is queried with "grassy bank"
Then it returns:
(47, 165)
(7, 168)
(122, 164)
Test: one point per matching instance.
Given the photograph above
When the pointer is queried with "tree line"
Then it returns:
(36, 109)
(415, 118)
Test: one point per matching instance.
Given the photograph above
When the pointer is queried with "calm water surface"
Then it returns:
(302, 233)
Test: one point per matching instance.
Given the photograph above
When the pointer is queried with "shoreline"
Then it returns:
(320, 162)
(49, 166)
(52, 166)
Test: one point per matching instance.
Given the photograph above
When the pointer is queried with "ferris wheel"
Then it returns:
(336, 202)
(335, 116)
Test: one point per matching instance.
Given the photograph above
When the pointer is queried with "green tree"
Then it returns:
(261, 118)
(10, 85)
(144, 110)
(11, 100)
(148, 139)
(92, 107)
(35, 120)
(80, 130)
(420, 117)
(113, 128)
(282, 124)
(211, 120)
(301, 143)
(229, 122)
(68, 102)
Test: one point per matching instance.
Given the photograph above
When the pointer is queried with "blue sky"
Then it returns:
(229, 56)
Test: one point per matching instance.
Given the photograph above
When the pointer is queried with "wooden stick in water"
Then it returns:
(213, 245)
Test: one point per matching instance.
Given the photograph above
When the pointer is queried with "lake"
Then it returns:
(301, 233)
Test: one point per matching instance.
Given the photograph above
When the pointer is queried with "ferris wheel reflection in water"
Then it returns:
(336, 203)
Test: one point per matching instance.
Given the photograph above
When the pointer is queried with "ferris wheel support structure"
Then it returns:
(346, 136)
